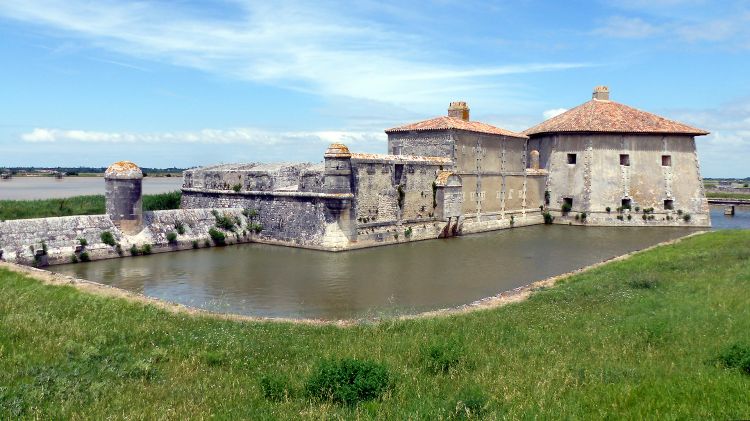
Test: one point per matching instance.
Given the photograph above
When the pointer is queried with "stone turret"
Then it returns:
(459, 109)
(124, 202)
(338, 169)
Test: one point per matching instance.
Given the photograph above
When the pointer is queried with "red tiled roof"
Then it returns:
(446, 123)
(611, 117)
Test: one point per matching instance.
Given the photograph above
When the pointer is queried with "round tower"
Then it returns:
(123, 195)
(338, 169)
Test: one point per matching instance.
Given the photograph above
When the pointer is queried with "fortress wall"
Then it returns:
(61, 235)
(379, 218)
(293, 217)
(434, 143)
(598, 180)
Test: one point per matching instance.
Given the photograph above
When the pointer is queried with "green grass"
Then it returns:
(640, 338)
(727, 195)
(78, 205)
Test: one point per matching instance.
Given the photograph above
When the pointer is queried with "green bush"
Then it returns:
(118, 249)
(443, 357)
(85, 257)
(471, 403)
(107, 238)
(82, 241)
(195, 244)
(408, 232)
(73, 258)
(134, 250)
(217, 236)
(736, 356)
(348, 380)
(686, 217)
(630, 217)
(171, 237)
(146, 249)
(224, 221)
(548, 218)
(584, 215)
(250, 213)
(179, 227)
(608, 209)
(255, 227)
(565, 208)
(275, 387)
(237, 188)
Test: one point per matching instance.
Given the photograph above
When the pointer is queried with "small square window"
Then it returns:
(666, 160)
(625, 159)
(669, 204)
(571, 158)
(626, 203)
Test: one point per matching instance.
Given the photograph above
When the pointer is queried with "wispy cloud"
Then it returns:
(318, 48)
(626, 27)
(553, 112)
(248, 136)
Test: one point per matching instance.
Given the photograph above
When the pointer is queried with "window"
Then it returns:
(626, 203)
(571, 158)
(625, 159)
(398, 171)
(669, 204)
(567, 205)
(666, 160)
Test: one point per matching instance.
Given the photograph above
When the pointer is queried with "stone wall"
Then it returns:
(21, 240)
(598, 180)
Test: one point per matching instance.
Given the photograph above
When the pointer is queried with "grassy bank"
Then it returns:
(631, 339)
(727, 195)
(78, 205)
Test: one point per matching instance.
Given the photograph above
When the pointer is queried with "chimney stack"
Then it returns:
(459, 109)
(601, 93)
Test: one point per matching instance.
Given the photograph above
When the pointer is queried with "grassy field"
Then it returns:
(727, 195)
(78, 205)
(632, 339)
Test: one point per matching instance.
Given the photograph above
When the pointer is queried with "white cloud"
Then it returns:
(553, 112)
(625, 27)
(318, 48)
(249, 136)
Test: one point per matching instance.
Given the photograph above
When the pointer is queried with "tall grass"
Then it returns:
(727, 195)
(597, 345)
(78, 205)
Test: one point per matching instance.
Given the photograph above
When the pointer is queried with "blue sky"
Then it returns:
(185, 83)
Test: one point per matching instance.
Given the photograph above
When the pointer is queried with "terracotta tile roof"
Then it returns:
(445, 123)
(611, 117)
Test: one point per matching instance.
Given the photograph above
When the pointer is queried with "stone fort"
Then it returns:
(599, 164)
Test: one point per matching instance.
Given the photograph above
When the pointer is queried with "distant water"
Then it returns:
(26, 188)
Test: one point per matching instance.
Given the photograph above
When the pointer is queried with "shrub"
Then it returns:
(162, 201)
(180, 227)
(620, 217)
(584, 215)
(118, 249)
(645, 217)
(146, 249)
(637, 208)
(686, 217)
(73, 258)
(630, 217)
(206, 243)
(107, 238)
(224, 222)
(735, 356)
(643, 283)
(348, 380)
(195, 244)
(85, 257)
(443, 357)
(608, 209)
(577, 217)
(408, 232)
(217, 236)
(471, 402)
(512, 220)
(565, 208)
(237, 188)
(275, 387)
(82, 241)
(250, 213)
(255, 227)
(134, 250)
(171, 237)
(548, 218)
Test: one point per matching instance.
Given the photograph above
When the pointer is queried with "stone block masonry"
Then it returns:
(43, 241)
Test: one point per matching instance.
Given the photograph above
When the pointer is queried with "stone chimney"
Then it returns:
(601, 93)
(123, 196)
(459, 109)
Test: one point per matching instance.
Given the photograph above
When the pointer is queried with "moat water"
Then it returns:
(263, 280)
(26, 188)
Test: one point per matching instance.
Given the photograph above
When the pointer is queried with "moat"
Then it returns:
(271, 281)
